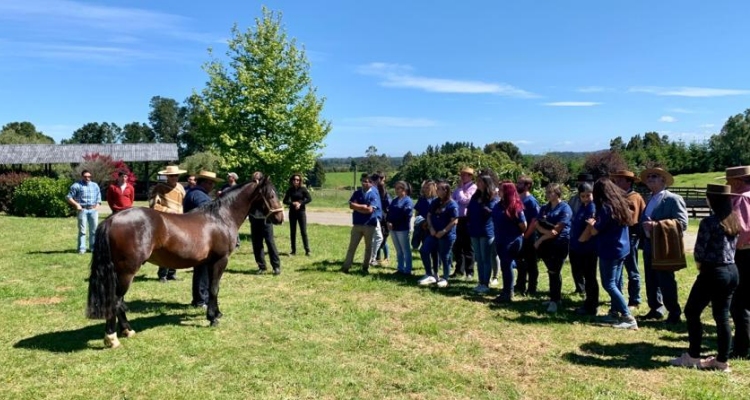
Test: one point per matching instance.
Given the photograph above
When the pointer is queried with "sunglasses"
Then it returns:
(87, 176)
(653, 176)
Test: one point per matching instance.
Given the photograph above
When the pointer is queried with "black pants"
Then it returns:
(586, 263)
(527, 267)
(463, 253)
(715, 284)
(579, 278)
(298, 217)
(200, 285)
(166, 273)
(554, 262)
(261, 231)
(740, 307)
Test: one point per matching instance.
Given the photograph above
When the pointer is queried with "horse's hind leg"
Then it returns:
(123, 285)
(110, 336)
(214, 276)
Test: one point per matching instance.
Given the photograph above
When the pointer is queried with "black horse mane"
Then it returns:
(228, 195)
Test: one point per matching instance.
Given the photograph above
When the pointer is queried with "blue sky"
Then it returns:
(399, 75)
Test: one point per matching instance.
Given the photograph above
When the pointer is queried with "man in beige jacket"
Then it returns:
(167, 197)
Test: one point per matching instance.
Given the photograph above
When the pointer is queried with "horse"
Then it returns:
(206, 235)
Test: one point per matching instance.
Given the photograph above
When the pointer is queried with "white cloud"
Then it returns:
(667, 118)
(522, 142)
(687, 91)
(389, 122)
(592, 89)
(678, 110)
(572, 104)
(394, 75)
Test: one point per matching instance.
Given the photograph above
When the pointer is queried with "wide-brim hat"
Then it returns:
(714, 189)
(172, 170)
(625, 174)
(668, 178)
(736, 172)
(467, 170)
(211, 176)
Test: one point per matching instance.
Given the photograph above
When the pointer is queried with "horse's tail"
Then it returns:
(103, 280)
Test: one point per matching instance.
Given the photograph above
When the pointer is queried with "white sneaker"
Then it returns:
(686, 361)
(427, 280)
(481, 289)
(493, 282)
(552, 307)
(627, 322)
(442, 283)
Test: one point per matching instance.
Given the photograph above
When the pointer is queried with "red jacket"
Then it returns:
(118, 199)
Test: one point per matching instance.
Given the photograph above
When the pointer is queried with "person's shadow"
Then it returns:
(639, 355)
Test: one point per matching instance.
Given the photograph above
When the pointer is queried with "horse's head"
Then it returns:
(268, 201)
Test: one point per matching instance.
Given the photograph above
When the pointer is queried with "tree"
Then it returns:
(374, 162)
(552, 169)
(601, 163)
(23, 133)
(135, 132)
(731, 146)
(617, 144)
(95, 133)
(261, 112)
(513, 152)
(167, 119)
(206, 160)
(316, 177)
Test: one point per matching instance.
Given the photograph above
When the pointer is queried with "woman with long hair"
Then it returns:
(297, 197)
(441, 220)
(553, 225)
(510, 224)
(427, 194)
(481, 231)
(399, 223)
(612, 246)
(717, 280)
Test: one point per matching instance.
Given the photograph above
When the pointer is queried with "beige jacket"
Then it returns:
(167, 199)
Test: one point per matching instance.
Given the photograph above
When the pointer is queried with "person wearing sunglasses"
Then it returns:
(296, 197)
(86, 197)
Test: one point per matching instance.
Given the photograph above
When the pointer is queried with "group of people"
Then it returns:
(500, 227)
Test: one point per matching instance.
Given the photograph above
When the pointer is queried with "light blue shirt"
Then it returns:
(85, 194)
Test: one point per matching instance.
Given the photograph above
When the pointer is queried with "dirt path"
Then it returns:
(344, 218)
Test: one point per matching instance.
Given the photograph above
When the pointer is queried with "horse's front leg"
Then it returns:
(214, 277)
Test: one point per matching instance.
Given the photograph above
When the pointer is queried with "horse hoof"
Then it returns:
(215, 323)
(111, 341)
(128, 333)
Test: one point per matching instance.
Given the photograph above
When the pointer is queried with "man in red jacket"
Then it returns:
(120, 194)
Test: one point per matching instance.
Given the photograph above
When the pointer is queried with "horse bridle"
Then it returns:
(271, 210)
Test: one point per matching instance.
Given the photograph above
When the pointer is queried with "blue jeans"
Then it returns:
(484, 253)
(444, 245)
(403, 251)
(634, 277)
(86, 218)
(610, 269)
(508, 253)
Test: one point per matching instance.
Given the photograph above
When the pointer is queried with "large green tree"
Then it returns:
(23, 133)
(95, 133)
(731, 147)
(261, 111)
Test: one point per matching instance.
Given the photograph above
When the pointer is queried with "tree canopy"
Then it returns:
(23, 133)
(261, 111)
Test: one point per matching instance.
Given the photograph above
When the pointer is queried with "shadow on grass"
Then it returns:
(640, 355)
(77, 339)
(66, 251)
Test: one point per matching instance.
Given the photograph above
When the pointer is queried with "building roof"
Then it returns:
(73, 153)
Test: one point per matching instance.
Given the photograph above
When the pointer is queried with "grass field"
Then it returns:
(340, 180)
(699, 180)
(316, 333)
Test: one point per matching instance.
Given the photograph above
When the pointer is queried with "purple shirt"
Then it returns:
(462, 196)
(742, 206)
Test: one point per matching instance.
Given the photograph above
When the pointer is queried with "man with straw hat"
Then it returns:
(625, 180)
(167, 197)
(199, 195)
(739, 180)
(661, 286)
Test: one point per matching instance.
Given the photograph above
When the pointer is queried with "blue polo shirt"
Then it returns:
(506, 228)
(558, 214)
(441, 216)
(578, 225)
(530, 207)
(479, 216)
(195, 197)
(613, 241)
(423, 206)
(370, 198)
(399, 213)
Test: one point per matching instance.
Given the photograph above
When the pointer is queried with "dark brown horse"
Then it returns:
(206, 235)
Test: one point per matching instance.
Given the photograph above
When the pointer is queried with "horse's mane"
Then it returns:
(228, 195)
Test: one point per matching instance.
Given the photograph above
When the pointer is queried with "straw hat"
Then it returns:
(736, 172)
(172, 170)
(724, 190)
(211, 176)
(668, 178)
(625, 174)
(467, 170)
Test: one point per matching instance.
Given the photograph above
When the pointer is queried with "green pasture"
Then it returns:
(340, 180)
(317, 333)
(699, 180)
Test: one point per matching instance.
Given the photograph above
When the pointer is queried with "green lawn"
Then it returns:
(340, 180)
(316, 333)
(699, 180)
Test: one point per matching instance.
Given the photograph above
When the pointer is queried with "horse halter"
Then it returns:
(271, 210)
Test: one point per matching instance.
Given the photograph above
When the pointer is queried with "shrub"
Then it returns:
(9, 181)
(41, 197)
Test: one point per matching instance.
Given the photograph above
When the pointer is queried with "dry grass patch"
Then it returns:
(39, 301)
